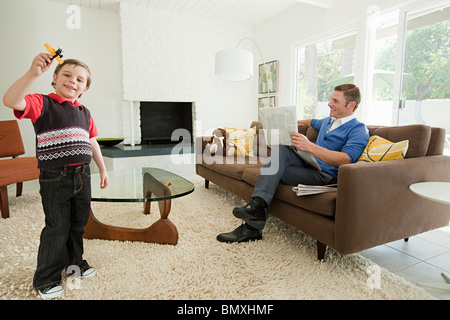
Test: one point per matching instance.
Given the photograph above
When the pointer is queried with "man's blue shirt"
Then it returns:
(350, 137)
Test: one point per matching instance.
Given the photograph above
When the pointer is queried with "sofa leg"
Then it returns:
(206, 184)
(4, 205)
(406, 239)
(321, 249)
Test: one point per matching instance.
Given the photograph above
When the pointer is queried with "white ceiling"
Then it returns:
(242, 12)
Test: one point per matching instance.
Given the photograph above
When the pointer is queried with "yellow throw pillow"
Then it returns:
(380, 149)
(242, 140)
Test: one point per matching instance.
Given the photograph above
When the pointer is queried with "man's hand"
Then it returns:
(335, 158)
(301, 142)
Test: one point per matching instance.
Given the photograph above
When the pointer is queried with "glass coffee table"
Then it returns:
(138, 185)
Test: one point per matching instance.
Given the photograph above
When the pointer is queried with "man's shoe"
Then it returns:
(241, 234)
(51, 292)
(254, 211)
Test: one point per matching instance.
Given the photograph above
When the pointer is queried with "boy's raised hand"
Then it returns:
(41, 63)
(14, 96)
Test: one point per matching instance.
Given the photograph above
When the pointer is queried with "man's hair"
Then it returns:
(73, 62)
(351, 93)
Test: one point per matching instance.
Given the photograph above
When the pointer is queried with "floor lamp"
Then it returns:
(235, 64)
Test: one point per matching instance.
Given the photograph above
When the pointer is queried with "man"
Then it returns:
(341, 140)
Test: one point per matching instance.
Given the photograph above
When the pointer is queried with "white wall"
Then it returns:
(25, 25)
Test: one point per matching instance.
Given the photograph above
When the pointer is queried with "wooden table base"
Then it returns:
(162, 231)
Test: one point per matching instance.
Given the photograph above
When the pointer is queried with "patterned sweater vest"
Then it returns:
(62, 135)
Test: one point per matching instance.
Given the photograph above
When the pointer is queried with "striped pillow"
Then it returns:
(380, 149)
(242, 140)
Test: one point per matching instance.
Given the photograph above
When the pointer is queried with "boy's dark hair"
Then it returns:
(74, 62)
(351, 93)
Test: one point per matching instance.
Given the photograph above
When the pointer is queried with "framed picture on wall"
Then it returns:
(267, 102)
(268, 80)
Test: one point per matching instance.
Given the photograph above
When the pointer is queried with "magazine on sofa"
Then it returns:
(304, 190)
(278, 124)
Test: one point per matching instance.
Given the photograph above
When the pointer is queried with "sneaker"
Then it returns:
(51, 292)
(88, 273)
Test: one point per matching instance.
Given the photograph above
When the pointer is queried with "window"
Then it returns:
(425, 80)
(381, 68)
(320, 66)
(425, 68)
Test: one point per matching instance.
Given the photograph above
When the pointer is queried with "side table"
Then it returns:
(440, 192)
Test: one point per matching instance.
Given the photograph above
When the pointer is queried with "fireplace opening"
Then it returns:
(160, 119)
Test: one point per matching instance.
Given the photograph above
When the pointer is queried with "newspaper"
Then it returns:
(304, 190)
(278, 124)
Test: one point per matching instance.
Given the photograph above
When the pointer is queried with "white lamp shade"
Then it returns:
(234, 65)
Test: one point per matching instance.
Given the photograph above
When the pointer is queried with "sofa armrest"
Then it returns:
(375, 205)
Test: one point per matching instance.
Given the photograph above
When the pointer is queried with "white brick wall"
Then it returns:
(170, 57)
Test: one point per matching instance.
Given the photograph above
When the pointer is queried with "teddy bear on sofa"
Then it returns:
(220, 144)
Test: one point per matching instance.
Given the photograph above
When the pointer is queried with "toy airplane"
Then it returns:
(56, 54)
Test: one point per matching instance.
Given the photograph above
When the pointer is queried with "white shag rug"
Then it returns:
(281, 266)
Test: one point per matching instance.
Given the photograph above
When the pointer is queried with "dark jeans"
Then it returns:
(289, 169)
(66, 198)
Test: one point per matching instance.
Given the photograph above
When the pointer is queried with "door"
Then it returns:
(423, 64)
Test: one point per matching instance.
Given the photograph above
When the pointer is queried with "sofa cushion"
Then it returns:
(380, 149)
(242, 140)
(324, 203)
(232, 166)
(309, 132)
(417, 134)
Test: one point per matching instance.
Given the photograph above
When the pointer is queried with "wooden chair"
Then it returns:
(14, 170)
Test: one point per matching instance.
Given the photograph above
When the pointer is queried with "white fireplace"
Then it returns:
(166, 116)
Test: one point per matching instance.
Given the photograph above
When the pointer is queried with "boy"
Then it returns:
(65, 144)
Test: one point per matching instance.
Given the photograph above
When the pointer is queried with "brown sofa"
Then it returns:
(373, 204)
